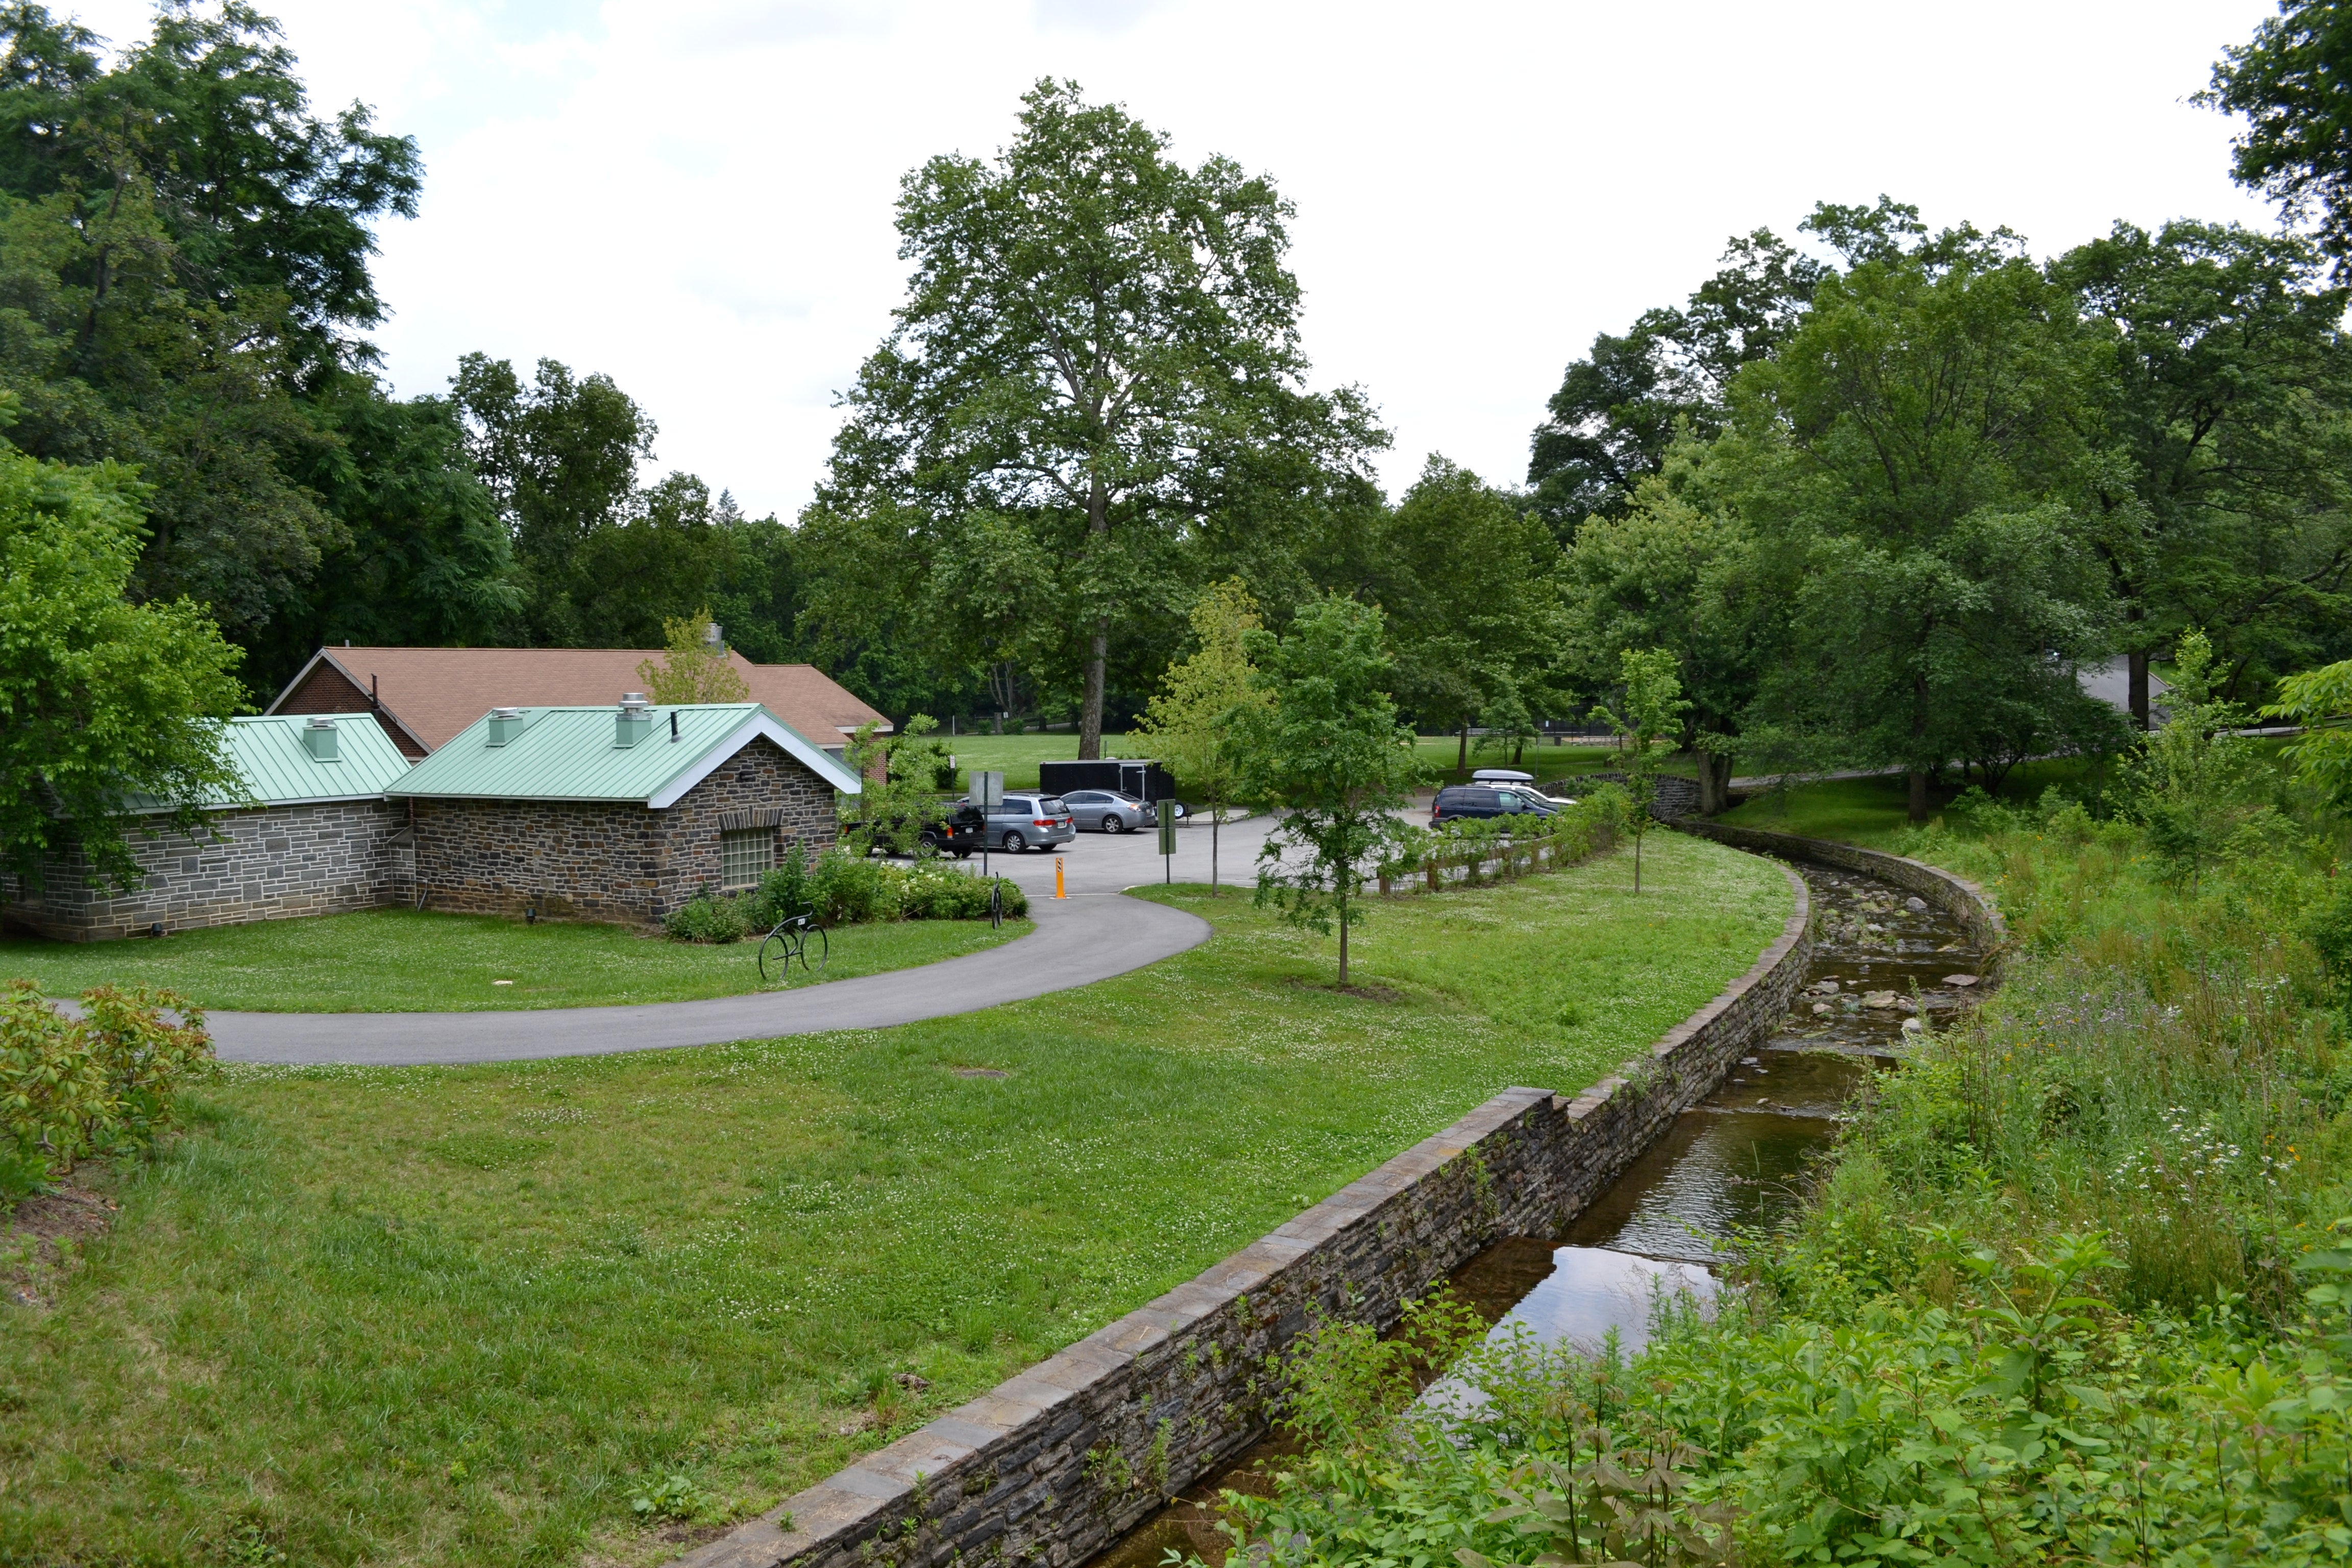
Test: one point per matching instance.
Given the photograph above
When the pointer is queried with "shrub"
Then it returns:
(101, 1083)
(781, 893)
(935, 893)
(710, 917)
(847, 889)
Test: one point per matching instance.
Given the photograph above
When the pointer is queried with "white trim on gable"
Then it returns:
(760, 722)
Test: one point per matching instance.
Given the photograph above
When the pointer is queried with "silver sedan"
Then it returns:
(1108, 811)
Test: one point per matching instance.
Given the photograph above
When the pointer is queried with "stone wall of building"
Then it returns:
(1053, 1466)
(763, 785)
(607, 861)
(273, 863)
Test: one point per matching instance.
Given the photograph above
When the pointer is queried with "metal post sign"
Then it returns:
(1168, 839)
(987, 789)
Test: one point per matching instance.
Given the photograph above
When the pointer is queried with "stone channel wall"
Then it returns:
(1956, 896)
(1051, 1466)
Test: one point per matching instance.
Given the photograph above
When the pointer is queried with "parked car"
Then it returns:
(1110, 810)
(1455, 802)
(1029, 821)
(1511, 778)
(958, 831)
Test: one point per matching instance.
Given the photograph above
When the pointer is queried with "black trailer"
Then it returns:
(1145, 781)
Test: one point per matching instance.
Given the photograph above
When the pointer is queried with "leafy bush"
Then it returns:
(710, 917)
(101, 1083)
(840, 889)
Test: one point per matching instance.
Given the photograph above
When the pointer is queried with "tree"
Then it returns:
(1097, 341)
(2293, 82)
(1906, 456)
(2190, 776)
(1677, 570)
(560, 456)
(1653, 707)
(1192, 722)
(1464, 578)
(901, 774)
(694, 667)
(2218, 409)
(1618, 409)
(101, 700)
(2321, 701)
(1325, 749)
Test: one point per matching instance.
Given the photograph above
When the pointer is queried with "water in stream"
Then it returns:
(1734, 1161)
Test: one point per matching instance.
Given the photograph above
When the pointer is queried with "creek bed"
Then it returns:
(1734, 1160)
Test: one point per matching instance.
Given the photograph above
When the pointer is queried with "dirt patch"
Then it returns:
(41, 1243)
(980, 1072)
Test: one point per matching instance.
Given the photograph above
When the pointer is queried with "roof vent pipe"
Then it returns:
(672, 724)
(635, 722)
(505, 723)
(710, 636)
(318, 740)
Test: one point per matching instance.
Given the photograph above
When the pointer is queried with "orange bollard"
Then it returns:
(1058, 878)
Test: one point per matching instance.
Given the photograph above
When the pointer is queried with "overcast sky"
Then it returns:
(695, 197)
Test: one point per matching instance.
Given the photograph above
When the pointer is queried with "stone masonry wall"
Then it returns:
(273, 863)
(568, 860)
(1956, 896)
(1674, 797)
(1057, 1463)
(763, 785)
(613, 861)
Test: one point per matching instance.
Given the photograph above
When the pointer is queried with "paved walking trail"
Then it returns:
(1092, 934)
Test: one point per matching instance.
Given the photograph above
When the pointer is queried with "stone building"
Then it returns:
(614, 814)
(311, 834)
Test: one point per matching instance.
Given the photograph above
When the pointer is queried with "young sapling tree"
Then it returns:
(1653, 707)
(1190, 723)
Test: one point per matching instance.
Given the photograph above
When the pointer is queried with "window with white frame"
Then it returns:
(745, 856)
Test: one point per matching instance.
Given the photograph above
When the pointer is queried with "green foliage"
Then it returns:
(2321, 701)
(2287, 81)
(2192, 778)
(1099, 351)
(901, 774)
(710, 917)
(843, 887)
(1341, 1384)
(1653, 706)
(99, 698)
(694, 667)
(1325, 752)
(104, 1082)
(1189, 724)
(674, 1497)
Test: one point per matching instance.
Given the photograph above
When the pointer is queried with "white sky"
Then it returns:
(695, 197)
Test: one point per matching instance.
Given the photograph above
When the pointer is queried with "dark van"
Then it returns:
(1458, 800)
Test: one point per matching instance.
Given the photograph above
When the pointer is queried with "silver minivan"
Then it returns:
(1030, 821)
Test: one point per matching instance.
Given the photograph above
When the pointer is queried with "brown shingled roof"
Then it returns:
(435, 692)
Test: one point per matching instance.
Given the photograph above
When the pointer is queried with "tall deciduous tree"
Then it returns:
(1095, 341)
(1324, 751)
(1902, 451)
(1193, 723)
(101, 699)
(2220, 414)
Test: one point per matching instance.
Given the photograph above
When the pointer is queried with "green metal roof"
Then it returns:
(279, 769)
(572, 754)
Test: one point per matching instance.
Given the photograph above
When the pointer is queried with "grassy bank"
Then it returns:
(2070, 1289)
(467, 1315)
(400, 960)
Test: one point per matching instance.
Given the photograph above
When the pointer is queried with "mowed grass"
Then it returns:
(400, 960)
(1872, 811)
(1017, 756)
(463, 1315)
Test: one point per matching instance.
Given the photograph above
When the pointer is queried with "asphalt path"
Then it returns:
(1090, 933)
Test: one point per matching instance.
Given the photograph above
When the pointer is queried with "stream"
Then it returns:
(1734, 1161)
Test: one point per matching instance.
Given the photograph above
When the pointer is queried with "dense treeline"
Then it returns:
(184, 275)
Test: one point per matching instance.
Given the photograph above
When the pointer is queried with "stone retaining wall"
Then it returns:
(1058, 1463)
(1956, 896)
(1673, 797)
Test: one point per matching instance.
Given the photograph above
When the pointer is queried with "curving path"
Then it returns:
(1093, 934)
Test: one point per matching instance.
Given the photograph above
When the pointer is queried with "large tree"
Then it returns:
(1101, 344)
(2220, 418)
(1906, 457)
(2293, 82)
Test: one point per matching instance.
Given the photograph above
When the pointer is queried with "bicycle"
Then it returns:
(793, 939)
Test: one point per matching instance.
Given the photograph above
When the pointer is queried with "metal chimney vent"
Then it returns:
(635, 722)
(710, 634)
(505, 723)
(318, 740)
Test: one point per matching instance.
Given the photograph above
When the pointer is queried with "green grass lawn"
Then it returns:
(1547, 761)
(399, 961)
(1017, 756)
(1872, 811)
(461, 1315)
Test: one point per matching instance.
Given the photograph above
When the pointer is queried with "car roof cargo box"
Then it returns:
(1502, 775)
(1145, 781)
